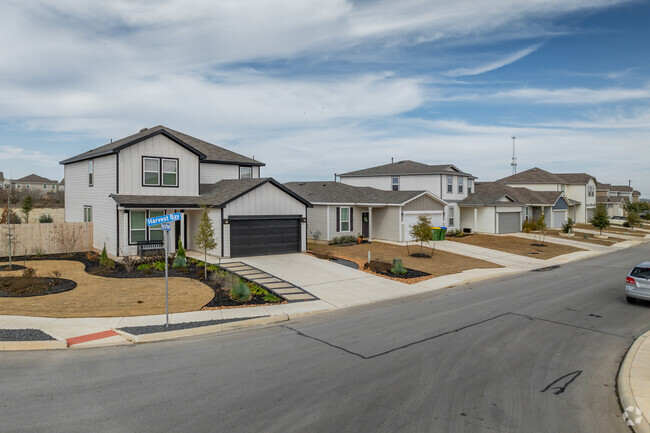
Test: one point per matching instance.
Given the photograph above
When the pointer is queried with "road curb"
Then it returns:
(33, 345)
(625, 388)
(202, 330)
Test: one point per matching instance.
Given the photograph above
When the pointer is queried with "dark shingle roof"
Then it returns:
(538, 175)
(207, 152)
(405, 168)
(621, 188)
(576, 178)
(34, 178)
(215, 195)
(340, 193)
(603, 185)
(490, 194)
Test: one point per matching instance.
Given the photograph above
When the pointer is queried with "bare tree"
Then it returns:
(67, 238)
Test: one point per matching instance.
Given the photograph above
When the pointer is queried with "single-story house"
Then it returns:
(340, 209)
(498, 208)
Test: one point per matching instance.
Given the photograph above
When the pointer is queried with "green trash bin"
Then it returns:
(443, 231)
(436, 234)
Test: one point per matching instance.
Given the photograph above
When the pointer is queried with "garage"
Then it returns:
(411, 218)
(559, 218)
(264, 236)
(509, 222)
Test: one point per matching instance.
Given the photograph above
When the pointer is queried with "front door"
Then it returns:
(365, 224)
(177, 234)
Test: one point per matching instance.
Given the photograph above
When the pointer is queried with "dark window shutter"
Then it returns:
(338, 219)
(351, 219)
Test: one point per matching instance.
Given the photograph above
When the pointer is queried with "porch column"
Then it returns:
(369, 224)
(475, 219)
(125, 239)
(183, 222)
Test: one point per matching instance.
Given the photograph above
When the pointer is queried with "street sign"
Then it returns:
(166, 226)
(163, 219)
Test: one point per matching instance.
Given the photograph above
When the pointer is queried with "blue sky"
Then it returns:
(315, 87)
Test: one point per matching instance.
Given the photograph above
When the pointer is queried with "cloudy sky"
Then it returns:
(314, 87)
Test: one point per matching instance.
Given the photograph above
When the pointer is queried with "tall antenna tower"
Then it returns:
(514, 157)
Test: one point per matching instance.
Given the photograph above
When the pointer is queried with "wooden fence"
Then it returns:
(46, 238)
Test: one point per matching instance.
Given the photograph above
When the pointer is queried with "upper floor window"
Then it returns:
(460, 185)
(395, 183)
(44, 185)
(245, 172)
(450, 184)
(159, 172)
(562, 188)
(91, 171)
(469, 186)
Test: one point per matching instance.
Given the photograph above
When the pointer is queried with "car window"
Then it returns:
(641, 273)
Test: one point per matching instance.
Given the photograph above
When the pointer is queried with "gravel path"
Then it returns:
(149, 329)
(24, 335)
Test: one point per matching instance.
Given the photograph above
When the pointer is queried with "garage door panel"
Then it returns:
(559, 218)
(264, 236)
(509, 222)
(412, 219)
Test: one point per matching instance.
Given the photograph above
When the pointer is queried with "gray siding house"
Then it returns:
(340, 209)
(159, 171)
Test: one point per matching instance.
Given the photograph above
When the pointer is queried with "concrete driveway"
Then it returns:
(335, 284)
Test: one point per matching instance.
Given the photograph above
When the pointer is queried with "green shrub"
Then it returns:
(192, 261)
(45, 218)
(240, 292)
(567, 226)
(144, 267)
(398, 268)
(528, 226)
(346, 239)
(104, 261)
(180, 260)
(159, 266)
(270, 297)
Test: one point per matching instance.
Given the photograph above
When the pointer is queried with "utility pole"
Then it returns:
(514, 157)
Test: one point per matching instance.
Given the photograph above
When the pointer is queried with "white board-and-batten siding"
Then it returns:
(79, 194)
(159, 146)
(213, 172)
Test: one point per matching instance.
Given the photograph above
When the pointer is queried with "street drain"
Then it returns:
(547, 268)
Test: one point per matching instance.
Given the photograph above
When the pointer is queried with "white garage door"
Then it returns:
(559, 218)
(412, 218)
(509, 222)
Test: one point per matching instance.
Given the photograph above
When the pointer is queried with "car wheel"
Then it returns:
(630, 300)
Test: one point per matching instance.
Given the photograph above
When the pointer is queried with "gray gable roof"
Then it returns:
(494, 193)
(406, 167)
(538, 175)
(214, 195)
(340, 193)
(621, 188)
(34, 178)
(207, 152)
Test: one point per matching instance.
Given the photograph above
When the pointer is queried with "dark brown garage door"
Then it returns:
(255, 237)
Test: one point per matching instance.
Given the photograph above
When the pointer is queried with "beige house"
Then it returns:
(34, 184)
(340, 209)
(580, 188)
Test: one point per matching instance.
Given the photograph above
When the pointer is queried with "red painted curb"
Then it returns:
(90, 337)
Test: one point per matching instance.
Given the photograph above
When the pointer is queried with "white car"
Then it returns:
(637, 283)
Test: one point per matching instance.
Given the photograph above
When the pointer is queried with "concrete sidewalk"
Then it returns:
(634, 385)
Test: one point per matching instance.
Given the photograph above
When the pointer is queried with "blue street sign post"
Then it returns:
(165, 224)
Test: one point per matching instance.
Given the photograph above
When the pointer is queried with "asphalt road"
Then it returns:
(538, 352)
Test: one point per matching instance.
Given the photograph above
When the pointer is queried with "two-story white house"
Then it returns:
(158, 171)
(579, 188)
(444, 181)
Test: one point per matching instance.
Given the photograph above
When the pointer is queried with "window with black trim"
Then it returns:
(450, 184)
(395, 183)
(245, 172)
(137, 226)
(91, 172)
(156, 232)
(344, 223)
(159, 171)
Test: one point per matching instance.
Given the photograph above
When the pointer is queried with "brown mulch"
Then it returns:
(442, 262)
(517, 245)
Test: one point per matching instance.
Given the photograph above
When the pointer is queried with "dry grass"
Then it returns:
(97, 296)
(578, 236)
(442, 263)
(517, 245)
(611, 229)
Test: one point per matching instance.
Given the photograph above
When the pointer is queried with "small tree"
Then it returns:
(180, 260)
(28, 205)
(600, 220)
(567, 226)
(633, 219)
(204, 238)
(422, 231)
(540, 225)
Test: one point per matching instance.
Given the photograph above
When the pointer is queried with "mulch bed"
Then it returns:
(14, 267)
(150, 329)
(384, 269)
(23, 287)
(221, 297)
(24, 335)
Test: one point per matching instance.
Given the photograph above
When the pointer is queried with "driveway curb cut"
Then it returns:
(201, 330)
(624, 386)
(33, 345)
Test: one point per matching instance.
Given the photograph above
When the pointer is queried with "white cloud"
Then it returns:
(496, 64)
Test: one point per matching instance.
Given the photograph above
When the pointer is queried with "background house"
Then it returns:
(340, 209)
(35, 185)
(158, 171)
(444, 181)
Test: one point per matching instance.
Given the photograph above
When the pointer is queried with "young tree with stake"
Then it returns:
(422, 231)
(204, 238)
(600, 220)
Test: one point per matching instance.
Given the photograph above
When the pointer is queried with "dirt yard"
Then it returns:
(97, 296)
(580, 237)
(442, 263)
(611, 229)
(517, 245)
